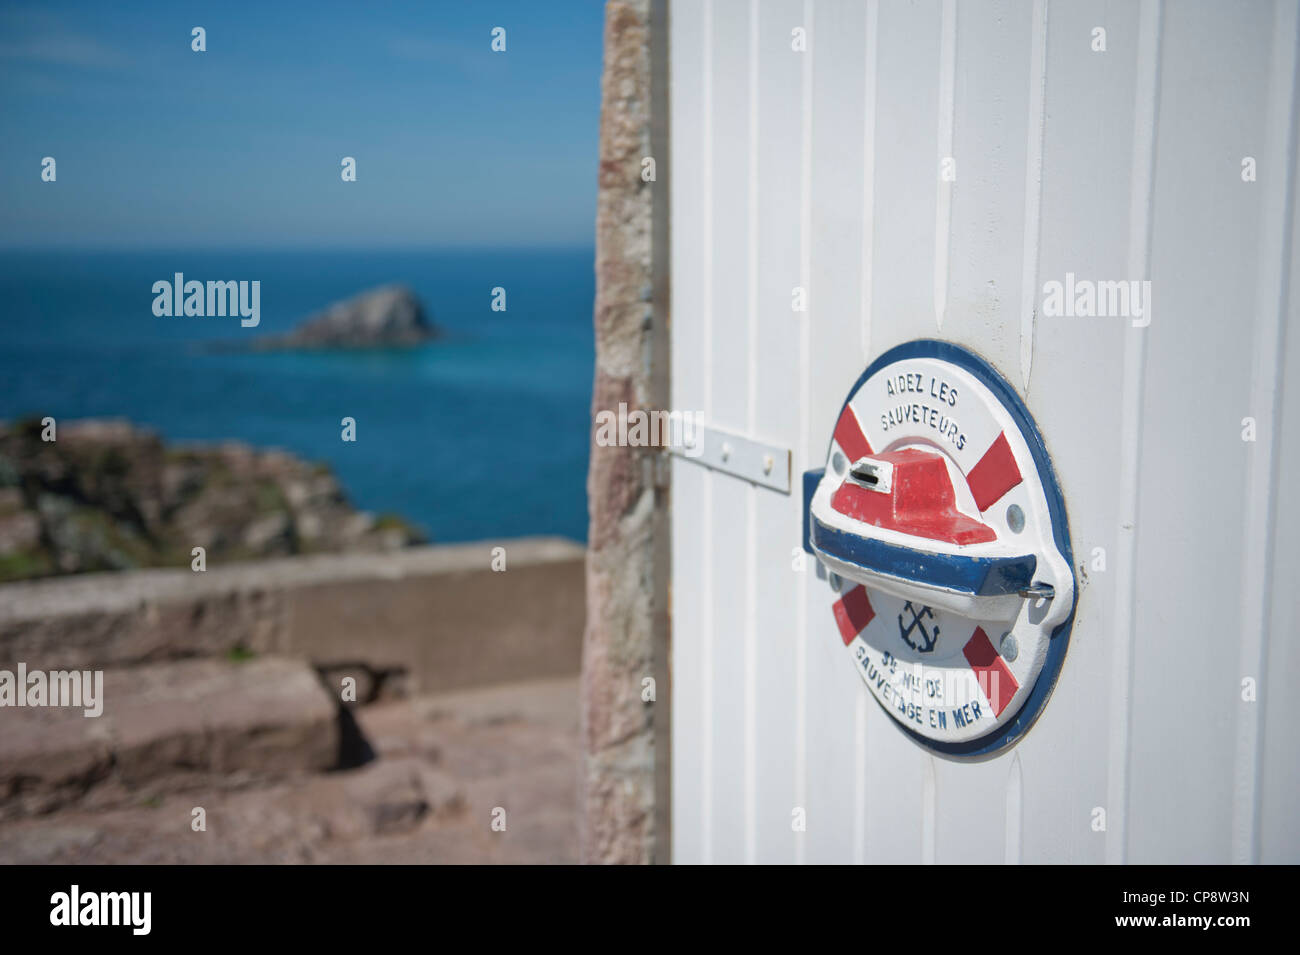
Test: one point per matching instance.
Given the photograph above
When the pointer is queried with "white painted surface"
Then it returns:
(820, 170)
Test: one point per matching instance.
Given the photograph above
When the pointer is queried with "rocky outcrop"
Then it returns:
(108, 496)
(387, 317)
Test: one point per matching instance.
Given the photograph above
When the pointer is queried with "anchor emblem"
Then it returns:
(925, 643)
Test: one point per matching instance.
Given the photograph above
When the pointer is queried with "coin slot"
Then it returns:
(874, 475)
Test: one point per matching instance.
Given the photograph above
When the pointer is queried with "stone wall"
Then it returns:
(439, 614)
(625, 738)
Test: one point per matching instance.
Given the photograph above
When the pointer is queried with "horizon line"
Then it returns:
(254, 248)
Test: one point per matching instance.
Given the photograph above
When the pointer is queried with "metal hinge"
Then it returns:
(766, 465)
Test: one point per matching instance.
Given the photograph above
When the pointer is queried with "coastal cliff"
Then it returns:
(106, 495)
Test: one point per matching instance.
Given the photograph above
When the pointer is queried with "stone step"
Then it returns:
(444, 765)
(287, 822)
(167, 727)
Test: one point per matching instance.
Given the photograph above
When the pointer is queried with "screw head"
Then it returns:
(1015, 518)
(1009, 647)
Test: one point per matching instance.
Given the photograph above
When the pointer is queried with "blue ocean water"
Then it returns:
(483, 434)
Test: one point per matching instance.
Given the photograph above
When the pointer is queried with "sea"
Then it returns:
(482, 434)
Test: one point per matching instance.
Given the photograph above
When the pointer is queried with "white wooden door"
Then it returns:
(821, 169)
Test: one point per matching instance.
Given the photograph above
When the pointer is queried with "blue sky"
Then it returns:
(240, 146)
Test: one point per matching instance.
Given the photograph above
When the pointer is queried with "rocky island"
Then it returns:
(106, 495)
(387, 317)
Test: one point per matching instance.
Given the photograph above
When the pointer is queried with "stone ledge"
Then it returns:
(439, 614)
(126, 590)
